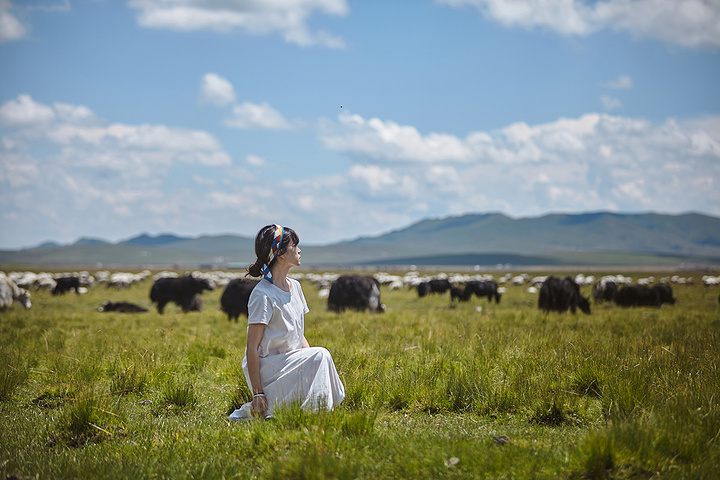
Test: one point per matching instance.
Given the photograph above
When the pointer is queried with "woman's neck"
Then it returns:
(279, 277)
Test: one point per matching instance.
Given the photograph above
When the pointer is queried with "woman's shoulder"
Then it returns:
(296, 287)
(262, 288)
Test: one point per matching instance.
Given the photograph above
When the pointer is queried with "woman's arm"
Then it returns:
(254, 335)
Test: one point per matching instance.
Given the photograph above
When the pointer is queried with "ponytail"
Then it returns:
(255, 270)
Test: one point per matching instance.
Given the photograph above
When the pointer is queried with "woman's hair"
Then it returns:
(263, 243)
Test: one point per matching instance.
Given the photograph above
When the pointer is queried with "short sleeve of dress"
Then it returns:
(260, 308)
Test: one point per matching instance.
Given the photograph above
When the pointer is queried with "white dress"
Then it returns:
(288, 372)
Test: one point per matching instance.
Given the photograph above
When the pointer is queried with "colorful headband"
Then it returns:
(277, 240)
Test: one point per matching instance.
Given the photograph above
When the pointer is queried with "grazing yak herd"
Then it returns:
(354, 292)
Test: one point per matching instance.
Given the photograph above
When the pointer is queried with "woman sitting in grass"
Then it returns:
(280, 366)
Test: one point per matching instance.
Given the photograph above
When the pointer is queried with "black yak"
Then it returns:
(562, 294)
(121, 307)
(65, 284)
(437, 285)
(182, 291)
(458, 293)
(486, 288)
(355, 292)
(604, 291)
(234, 299)
(643, 296)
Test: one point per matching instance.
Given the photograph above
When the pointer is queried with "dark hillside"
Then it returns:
(146, 240)
(690, 234)
(599, 238)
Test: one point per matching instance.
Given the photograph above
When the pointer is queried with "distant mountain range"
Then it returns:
(600, 238)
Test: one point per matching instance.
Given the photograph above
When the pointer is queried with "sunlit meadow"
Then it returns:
(434, 390)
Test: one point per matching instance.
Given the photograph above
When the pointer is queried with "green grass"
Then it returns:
(621, 393)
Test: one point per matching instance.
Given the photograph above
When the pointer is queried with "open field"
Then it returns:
(434, 390)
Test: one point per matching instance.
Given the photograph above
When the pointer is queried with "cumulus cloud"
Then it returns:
(593, 162)
(244, 116)
(623, 82)
(378, 139)
(381, 182)
(216, 90)
(335, 207)
(565, 16)
(10, 27)
(61, 166)
(688, 23)
(248, 115)
(72, 136)
(386, 141)
(610, 103)
(256, 161)
(288, 18)
(61, 160)
(589, 163)
(24, 111)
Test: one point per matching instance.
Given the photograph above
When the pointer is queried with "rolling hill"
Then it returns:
(600, 238)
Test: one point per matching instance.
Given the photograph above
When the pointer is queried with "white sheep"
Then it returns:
(9, 291)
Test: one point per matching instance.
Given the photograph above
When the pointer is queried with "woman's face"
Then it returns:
(292, 255)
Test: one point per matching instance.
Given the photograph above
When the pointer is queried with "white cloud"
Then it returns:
(445, 179)
(623, 82)
(216, 90)
(593, 162)
(203, 181)
(249, 115)
(334, 208)
(306, 202)
(256, 161)
(25, 111)
(81, 175)
(58, 6)
(377, 139)
(123, 211)
(610, 103)
(375, 178)
(10, 27)
(689, 23)
(158, 143)
(224, 199)
(62, 169)
(17, 170)
(75, 114)
(564, 16)
(385, 141)
(288, 18)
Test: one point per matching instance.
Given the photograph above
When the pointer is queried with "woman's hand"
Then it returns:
(259, 406)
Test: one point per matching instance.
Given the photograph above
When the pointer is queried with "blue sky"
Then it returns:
(344, 118)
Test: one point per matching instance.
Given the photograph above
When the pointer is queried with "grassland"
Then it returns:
(433, 391)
